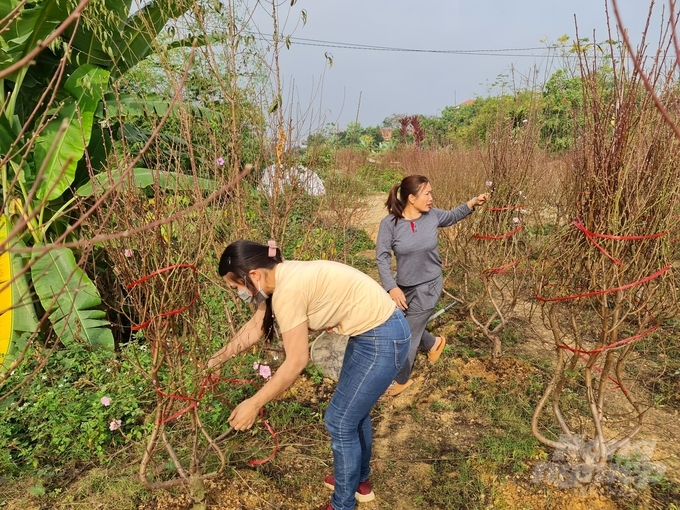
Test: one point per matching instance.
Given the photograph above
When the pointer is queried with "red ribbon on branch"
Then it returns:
(614, 345)
(598, 369)
(591, 235)
(209, 383)
(171, 312)
(605, 291)
(266, 422)
(502, 269)
(506, 208)
(496, 238)
(206, 383)
(193, 405)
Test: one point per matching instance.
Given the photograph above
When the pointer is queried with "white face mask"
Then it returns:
(249, 298)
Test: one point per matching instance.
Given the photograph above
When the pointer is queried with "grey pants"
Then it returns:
(421, 300)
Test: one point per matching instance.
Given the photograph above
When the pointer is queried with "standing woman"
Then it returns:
(319, 295)
(410, 230)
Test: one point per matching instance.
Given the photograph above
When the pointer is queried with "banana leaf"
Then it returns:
(126, 105)
(143, 177)
(86, 86)
(120, 40)
(70, 298)
(34, 25)
(17, 313)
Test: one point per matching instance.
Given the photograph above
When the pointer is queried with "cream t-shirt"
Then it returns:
(327, 295)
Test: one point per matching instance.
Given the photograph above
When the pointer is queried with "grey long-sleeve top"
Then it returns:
(414, 244)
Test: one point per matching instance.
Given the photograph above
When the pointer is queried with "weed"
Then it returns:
(437, 406)
(315, 374)
(510, 335)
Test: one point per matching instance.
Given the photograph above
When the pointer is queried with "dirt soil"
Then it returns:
(418, 436)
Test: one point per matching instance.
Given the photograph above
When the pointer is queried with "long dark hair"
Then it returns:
(398, 197)
(241, 257)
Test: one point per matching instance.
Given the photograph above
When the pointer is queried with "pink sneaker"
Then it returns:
(363, 494)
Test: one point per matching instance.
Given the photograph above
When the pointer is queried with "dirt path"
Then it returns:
(373, 212)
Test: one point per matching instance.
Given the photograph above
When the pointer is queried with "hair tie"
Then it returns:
(272, 248)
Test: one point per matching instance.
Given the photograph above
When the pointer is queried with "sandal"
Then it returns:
(395, 388)
(436, 351)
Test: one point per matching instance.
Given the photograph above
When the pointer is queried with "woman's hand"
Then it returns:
(215, 362)
(479, 200)
(398, 297)
(244, 415)
(214, 370)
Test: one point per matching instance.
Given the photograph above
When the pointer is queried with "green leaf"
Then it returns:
(143, 178)
(60, 150)
(275, 105)
(91, 41)
(7, 135)
(17, 313)
(32, 26)
(135, 42)
(188, 42)
(70, 298)
(127, 105)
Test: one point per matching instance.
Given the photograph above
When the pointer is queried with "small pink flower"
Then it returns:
(489, 184)
(106, 401)
(220, 161)
(115, 425)
(265, 371)
(256, 365)
(128, 252)
(515, 219)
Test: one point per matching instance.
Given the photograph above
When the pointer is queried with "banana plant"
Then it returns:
(51, 112)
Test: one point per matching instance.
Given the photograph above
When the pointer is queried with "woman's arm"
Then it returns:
(246, 337)
(448, 218)
(295, 343)
(383, 258)
(383, 253)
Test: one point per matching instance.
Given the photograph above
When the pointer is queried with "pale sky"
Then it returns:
(369, 86)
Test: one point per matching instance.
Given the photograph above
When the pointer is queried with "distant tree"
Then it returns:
(562, 103)
(418, 133)
(392, 122)
(374, 131)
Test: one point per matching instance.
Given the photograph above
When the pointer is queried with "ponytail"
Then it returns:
(395, 206)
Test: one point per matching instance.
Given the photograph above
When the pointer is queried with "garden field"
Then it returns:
(136, 143)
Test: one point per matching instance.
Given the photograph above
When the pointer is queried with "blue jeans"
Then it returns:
(371, 362)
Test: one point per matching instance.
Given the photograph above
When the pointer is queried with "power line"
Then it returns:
(389, 48)
(404, 50)
(498, 52)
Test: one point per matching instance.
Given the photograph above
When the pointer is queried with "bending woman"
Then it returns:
(410, 230)
(319, 295)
